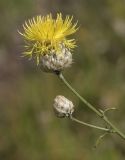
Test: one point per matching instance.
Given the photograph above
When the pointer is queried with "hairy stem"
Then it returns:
(90, 106)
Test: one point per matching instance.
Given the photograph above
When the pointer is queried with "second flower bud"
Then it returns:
(63, 107)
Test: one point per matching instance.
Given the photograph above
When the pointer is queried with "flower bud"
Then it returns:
(63, 107)
(56, 61)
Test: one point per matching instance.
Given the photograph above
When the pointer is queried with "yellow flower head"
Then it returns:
(45, 35)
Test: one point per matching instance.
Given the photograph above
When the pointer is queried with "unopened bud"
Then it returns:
(56, 61)
(63, 107)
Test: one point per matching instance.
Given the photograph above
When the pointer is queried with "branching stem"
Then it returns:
(90, 106)
(90, 125)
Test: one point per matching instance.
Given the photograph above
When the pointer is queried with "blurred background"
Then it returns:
(29, 130)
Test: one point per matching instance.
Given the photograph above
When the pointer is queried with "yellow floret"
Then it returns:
(45, 34)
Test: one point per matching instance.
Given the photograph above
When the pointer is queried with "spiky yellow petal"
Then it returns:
(46, 34)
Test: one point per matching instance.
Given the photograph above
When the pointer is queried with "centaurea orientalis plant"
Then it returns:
(47, 42)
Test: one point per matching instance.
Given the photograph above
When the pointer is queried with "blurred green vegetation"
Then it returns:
(28, 128)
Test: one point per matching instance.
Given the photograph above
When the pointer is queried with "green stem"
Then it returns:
(90, 125)
(101, 115)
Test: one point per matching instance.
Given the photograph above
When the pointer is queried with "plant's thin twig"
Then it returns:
(109, 109)
(99, 139)
(114, 128)
(89, 125)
